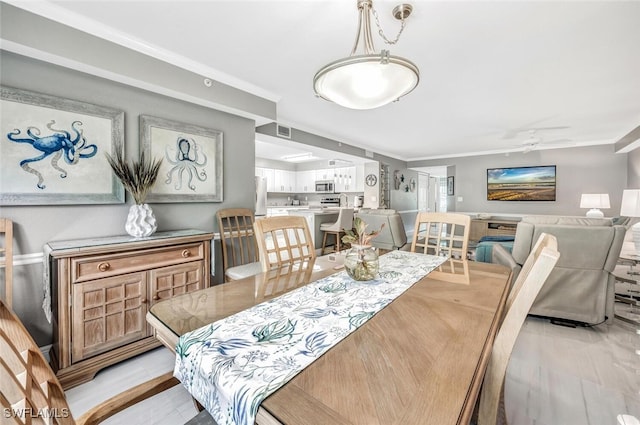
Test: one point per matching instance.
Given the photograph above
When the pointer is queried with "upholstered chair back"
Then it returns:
(581, 286)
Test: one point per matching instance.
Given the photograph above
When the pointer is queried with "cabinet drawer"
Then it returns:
(99, 266)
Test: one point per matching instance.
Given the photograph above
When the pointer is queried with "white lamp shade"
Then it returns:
(366, 82)
(630, 203)
(595, 200)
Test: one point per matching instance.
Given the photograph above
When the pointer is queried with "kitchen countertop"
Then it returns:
(288, 207)
(317, 211)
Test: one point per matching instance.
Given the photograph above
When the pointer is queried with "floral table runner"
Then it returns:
(232, 365)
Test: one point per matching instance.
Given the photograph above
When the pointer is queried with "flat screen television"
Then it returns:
(522, 183)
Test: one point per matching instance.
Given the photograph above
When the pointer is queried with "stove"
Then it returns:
(330, 201)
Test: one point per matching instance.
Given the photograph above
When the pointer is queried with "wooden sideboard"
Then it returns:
(491, 227)
(102, 289)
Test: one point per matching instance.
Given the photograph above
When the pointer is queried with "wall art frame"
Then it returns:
(450, 186)
(52, 150)
(192, 160)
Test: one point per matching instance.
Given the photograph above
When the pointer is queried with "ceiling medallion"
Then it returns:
(369, 80)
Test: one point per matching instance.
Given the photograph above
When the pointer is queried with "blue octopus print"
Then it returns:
(188, 157)
(60, 143)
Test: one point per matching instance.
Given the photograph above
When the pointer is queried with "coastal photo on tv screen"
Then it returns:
(522, 183)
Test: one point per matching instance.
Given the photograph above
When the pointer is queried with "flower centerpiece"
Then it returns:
(138, 179)
(361, 261)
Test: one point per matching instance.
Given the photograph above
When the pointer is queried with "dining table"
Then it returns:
(419, 360)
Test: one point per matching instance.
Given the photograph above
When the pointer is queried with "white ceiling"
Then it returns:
(489, 70)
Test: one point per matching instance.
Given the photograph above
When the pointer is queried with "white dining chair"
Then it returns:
(283, 241)
(540, 262)
(239, 247)
(344, 221)
(442, 234)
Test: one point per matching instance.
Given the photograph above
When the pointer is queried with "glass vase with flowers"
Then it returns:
(361, 261)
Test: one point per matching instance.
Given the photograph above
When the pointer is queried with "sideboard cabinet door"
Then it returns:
(170, 281)
(108, 313)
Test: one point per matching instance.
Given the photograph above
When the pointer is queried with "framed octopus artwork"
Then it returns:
(52, 150)
(191, 169)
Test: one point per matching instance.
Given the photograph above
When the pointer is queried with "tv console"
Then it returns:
(491, 227)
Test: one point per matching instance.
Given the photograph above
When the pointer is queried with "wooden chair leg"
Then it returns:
(324, 243)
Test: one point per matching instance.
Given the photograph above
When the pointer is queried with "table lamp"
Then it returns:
(631, 208)
(595, 201)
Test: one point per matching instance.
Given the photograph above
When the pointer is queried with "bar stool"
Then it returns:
(345, 221)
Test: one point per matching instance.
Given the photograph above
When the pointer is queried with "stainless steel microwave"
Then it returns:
(325, 186)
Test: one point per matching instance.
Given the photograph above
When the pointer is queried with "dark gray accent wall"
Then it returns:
(592, 169)
(36, 225)
(331, 144)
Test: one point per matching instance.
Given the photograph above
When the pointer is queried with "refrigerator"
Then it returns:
(261, 196)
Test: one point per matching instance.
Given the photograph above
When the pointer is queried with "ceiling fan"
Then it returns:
(512, 133)
(534, 142)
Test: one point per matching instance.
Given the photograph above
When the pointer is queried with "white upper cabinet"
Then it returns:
(324, 174)
(306, 181)
(285, 181)
(346, 179)
(269, 174)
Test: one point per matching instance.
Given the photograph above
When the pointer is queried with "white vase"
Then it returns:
(141, 222)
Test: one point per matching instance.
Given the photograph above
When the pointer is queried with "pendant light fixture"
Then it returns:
(369, 80)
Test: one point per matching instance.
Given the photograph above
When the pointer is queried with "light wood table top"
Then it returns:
(420, 360)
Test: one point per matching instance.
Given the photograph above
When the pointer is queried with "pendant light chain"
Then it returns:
(384, 37)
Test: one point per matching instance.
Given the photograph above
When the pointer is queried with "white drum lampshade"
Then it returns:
(595, 201)
(631, 208)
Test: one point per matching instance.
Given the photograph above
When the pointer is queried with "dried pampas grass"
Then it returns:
(138, 177)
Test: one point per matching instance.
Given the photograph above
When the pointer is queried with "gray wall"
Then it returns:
(633, 169)
(65, 45)
(36, 225)
(406, 203)
(334, 145)
(593, 169)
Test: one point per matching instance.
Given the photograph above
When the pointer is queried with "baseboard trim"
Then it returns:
(45, 350)
(24, 259)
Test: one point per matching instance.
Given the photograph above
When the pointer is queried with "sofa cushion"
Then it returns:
(393, 235)
(526, 236)
(484, 249)
(498, 238)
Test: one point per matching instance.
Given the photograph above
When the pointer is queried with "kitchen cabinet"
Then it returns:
(306, 181)
(285, 181)
(102, 289)
(325, 174)
(345, 179)
(269, 174)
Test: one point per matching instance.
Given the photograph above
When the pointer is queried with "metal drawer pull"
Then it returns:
(156, 297)
(103, 267)
(143, 301)
(186, 253)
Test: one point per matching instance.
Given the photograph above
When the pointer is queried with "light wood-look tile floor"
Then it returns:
(557, 376)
